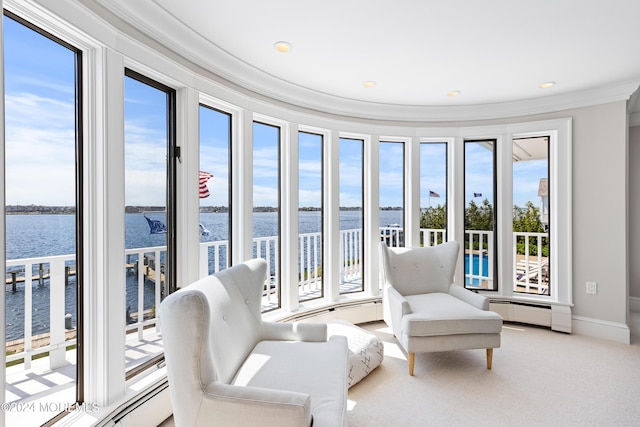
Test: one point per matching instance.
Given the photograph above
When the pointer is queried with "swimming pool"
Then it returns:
(475, 268)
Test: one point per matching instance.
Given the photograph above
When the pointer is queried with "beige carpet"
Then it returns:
(539, 378)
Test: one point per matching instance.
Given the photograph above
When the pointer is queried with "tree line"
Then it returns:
(481, 217)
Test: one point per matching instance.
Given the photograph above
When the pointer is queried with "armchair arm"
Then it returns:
(467, 296)
(226, 405)
(289, 331)
(398, 307)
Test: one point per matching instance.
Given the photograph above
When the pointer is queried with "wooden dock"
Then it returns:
(42, 275)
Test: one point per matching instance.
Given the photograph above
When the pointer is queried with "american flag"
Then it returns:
(204, 177)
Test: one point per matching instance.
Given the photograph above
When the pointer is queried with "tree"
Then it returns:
(479, 217)
(435, 218)
(527, 220)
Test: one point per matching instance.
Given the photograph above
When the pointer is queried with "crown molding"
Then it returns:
(197, 50)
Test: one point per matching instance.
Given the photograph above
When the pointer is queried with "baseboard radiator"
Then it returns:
(556, 317)
(150, 408)
(362, 311)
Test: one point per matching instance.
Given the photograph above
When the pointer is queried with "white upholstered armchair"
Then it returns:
(427, 311)
(228, 367)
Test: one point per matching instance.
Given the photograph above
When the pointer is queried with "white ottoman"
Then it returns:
(365, 349)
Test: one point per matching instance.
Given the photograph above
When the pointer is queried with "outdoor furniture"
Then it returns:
(533, 274)
(227, 367)
(426, 311)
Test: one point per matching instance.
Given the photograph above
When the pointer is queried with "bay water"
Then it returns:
(31, 236)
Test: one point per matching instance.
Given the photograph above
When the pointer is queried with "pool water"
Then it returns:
(475, 268)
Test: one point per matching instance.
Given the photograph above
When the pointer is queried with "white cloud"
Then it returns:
(39, 150)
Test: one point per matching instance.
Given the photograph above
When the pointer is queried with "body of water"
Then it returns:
(31, 236)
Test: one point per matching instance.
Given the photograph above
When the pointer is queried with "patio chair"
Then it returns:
(533, 274)
(426, 311)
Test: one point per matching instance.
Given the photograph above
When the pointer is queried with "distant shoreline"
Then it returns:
(71, 210)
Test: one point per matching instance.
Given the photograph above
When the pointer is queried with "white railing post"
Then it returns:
(158, 292)
(28, 321)
(204, 260)
(141, 277)
(56, 313)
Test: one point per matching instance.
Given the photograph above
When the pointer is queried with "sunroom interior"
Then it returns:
(186, 137)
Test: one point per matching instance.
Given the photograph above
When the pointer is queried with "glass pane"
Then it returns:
(146, 142)
(392, 193)
(266, 207)
(215, 213)
(479, 218)
(310, 216)
(40, 173)
(351, 214)
(531, 215)
(433, 193)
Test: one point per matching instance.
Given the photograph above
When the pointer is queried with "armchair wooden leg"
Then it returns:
(412, 358)
(489, 357)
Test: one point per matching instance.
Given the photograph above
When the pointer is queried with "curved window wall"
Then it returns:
(349, 194)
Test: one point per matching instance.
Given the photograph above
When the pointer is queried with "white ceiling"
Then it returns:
(496, 52)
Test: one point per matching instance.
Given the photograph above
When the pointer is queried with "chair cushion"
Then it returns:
(314, 368)
(421, 269)
(443, 314)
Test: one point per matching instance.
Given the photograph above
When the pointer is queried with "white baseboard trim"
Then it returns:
(634, 304)
(613, 331)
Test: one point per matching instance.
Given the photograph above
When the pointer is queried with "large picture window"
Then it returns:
(351, 215)
(433, 193)
(392, 193)
(310, 216)
(149, 213)
(266, 207)
(44, 220)
(480, 261)
(531, 219)
(214, 190)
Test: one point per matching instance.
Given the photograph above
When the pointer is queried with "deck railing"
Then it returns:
(530, 276)
(531, 267)
(21, 275)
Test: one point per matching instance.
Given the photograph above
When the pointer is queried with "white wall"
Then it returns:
(634, 213)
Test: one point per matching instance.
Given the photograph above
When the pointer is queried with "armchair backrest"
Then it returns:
(420, 270)
(210, 327)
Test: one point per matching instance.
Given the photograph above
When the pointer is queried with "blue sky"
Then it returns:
(39, 86)
(40, 137)
(215, 132)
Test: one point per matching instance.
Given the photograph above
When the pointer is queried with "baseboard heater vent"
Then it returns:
(523, 312)
(354, 311)
(555, 316)
(151, 407)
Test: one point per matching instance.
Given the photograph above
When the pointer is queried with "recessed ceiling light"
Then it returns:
(283, 47)
(546, 85)
(454, 93)
(369, 83)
